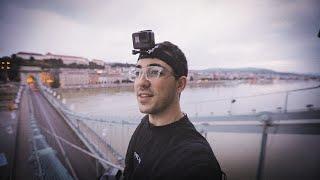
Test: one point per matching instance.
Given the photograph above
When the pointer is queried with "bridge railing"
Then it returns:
(278, 101)
(82, 126)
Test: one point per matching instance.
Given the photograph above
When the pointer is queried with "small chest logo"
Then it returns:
(136, 155)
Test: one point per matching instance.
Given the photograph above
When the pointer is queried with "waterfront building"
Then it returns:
(68, 59)
(73, 77)
(29, 55)
(107, 67)
(94, 77)
(5, 65)
(116, 77)
(103, 78)
(98, 62)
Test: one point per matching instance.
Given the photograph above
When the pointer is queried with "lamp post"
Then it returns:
(232, 102)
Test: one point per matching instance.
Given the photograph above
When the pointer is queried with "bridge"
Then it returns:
(82, 147)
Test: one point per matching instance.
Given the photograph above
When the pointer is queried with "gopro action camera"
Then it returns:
(143, 40)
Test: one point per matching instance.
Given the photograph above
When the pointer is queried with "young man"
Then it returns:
(165, 144)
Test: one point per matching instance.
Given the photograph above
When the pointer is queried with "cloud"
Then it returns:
(211, 33)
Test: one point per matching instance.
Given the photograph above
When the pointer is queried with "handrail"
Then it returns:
(67, 112)
(82, 150)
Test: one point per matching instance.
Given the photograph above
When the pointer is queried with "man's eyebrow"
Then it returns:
(152, 64)
(155, 64)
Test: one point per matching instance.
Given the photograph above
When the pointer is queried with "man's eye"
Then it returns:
(154, 72)
(136, 72)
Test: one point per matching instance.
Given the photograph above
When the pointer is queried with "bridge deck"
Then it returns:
(83, 165)
(48, 120)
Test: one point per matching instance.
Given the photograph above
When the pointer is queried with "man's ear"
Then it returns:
(182, 82)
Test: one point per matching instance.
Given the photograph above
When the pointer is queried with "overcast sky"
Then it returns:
(275, 34)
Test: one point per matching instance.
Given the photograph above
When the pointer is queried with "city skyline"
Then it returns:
(281, 36)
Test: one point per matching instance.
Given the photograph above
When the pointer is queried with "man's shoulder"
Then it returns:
(142, 124)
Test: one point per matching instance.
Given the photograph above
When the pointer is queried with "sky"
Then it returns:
(276, 34)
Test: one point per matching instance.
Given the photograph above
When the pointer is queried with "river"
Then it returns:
(211, 100)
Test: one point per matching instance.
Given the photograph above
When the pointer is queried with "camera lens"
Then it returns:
(143, 37)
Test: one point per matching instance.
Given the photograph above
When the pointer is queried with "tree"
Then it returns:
(10, 68)
(15, 67)
(55, 83)
(93, 65)
(56, 80)
(3, 70)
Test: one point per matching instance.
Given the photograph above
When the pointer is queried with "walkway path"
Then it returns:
(15, 145)
(80, 165)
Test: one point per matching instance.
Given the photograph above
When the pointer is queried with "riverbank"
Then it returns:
(94, 88)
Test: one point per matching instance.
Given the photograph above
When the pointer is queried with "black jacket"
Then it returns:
(174, 151)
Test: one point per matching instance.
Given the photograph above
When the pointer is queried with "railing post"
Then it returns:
(266, 120)
(286, 102)
(78, 124)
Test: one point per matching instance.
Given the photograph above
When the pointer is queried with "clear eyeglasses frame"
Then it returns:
(149, 72)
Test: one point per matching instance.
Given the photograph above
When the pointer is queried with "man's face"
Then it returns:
(156, 94)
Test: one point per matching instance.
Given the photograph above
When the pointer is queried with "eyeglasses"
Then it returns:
(150, 72)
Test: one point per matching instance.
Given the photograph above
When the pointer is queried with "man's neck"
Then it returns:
(168, 116)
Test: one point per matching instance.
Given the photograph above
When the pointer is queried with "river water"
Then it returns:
(288, 156)
(211, 100)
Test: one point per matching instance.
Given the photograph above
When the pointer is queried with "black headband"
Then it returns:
(175, 64)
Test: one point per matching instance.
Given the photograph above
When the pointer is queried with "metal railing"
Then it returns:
(99, 148)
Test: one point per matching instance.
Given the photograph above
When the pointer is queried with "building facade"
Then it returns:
(67, 59)
(98, 62)
(74, 77)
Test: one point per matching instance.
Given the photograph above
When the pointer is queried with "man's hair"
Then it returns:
(170, 54)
